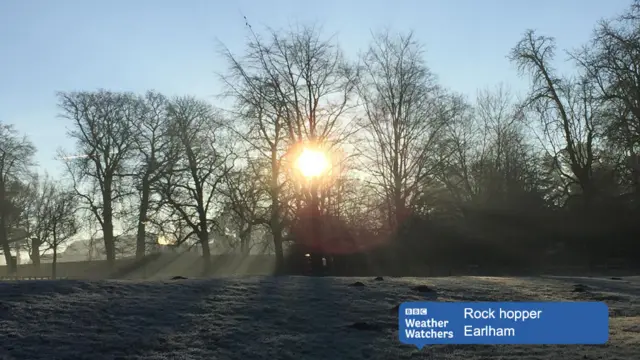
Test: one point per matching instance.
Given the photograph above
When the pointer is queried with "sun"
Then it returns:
(312, 163)
(162, 240)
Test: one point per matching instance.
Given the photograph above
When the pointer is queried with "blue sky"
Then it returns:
(171, 46)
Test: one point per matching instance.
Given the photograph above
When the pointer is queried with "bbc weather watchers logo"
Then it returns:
(492, 323)
(415, 311)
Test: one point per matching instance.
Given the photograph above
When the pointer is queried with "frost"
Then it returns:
(278, 318)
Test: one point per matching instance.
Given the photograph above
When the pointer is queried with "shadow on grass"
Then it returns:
(94, 320)
(312, 318)
(237, 317)
(226, 318)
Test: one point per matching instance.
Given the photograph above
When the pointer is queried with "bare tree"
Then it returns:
(612, 60)
(243, 194)
(307, 76)
(104, 131)
(491, 164)
(63, 223)
(401, 101)
(293, 88)
(151, 159)
(53, 220)
(455, 151)
(191, 182)
(36, 221)
(16, 161)
(264, 134)
(567, 110)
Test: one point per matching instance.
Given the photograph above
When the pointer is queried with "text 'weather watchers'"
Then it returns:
(425, 323)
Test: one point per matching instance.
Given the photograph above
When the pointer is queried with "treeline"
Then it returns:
(419, 172)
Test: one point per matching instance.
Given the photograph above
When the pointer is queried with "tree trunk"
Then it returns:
(54, 263)
(206, 252)
(107, 226)
(109, 245)
(142, 219)
(276, 231)
(274, 221)
(245, 237)
(399, 209)
(4, 236)
(6, 248)
(35, 253)
(277, 243)
(589, 191)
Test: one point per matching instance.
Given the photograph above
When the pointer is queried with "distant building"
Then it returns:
(93, 249)
(88, 249)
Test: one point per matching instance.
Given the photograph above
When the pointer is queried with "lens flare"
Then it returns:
(312, 163)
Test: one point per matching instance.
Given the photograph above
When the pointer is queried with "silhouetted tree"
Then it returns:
(401, 101)
(292, 89)
(152, 156)
(190, 185)
(567, 109)
(242, 193)
(16, 162)
(53, 219)
(103, 127)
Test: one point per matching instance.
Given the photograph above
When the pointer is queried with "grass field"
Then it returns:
(279, 318)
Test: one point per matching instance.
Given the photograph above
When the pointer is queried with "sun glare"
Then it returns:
(163, 240)
(312, 163)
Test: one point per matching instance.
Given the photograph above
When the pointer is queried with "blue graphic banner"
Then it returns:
(427, 323)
